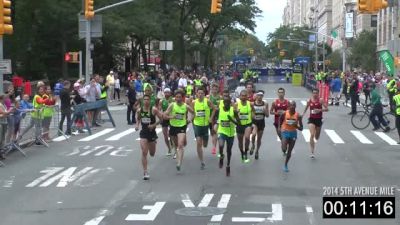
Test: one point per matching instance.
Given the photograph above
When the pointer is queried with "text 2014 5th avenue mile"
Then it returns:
(364, 191)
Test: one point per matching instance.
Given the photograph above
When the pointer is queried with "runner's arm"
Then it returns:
(213, 108)
(307, 106)
(266, 111)
(166, 115)
(138, 119)
(324, 106)
(272, 110)
(300, 123)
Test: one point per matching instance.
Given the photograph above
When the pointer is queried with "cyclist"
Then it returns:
(317, 106)
(377, 110)
(291, 121)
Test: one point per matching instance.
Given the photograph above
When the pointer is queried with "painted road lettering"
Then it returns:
(101, 150)
(275, 215)
(150, 216)
(65, 176)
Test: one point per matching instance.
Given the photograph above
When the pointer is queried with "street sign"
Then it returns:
(5, 66)
(166, 46)
(96, 27)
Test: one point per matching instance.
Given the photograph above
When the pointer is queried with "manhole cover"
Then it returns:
(200, 211)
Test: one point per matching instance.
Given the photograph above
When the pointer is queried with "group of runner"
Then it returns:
(223, 118)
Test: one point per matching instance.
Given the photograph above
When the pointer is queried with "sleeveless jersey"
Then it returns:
(290, 122)
(146, 118)
(202, 112)
(179, 113)
(259, 111)
(244, 113)
(280, 107)
(315, 105)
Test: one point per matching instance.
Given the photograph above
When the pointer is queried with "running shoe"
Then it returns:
(387, 129)
(214, 150)
(285, 169)
(284, 153)
(246, 159)
(174, 156)
(256, 155)
(178, 168)
(146, 176)
(228, 171)
(312, 156)
(203, 166)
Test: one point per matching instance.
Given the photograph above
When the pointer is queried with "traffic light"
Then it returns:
(5, 17)
(89, 9)
(71, 57)
(216, 6)
(364, 6)
(251, 51)
(379, 4)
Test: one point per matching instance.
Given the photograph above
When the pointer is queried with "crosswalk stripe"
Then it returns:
(306, 134)
(361, 137)
(120, 135)
(334, 137)
(386, 138)
(158, 130)
(99, 134)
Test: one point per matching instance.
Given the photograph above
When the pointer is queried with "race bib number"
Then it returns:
(225, 124)
(280, 112)
(243, 117)
(291, 122)
(201, 113)
(179, 116)
(314, 111)
(146, 120)
(259, 117)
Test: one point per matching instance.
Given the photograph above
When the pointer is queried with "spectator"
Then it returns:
(117, 87)
(48, 112)
(354, 94)
(76, 100)
(110, 80)
(367, 89)
(335, 86)
(65, 98)
(57, 89)
(377, 111)
(3, 125)
(130, 115)
(25, 104)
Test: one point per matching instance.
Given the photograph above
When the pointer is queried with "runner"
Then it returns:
(291, 120)
(215, 98)
(148, 136)
(317, 106)
(250, 91)
(201, 122)
(246, 113)
(278, 107)
(177, 116)
(226, 130)
(148, 90)
(165, 102)
(260, 112)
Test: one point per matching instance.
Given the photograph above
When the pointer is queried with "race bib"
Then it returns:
(179, 116)
(280, 112)
(225, 123)
(314, 111)
(259, 117)
(146, 120)
(291, 122)
(201, 113)
(243, 117)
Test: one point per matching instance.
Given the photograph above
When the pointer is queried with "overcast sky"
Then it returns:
(271, 17)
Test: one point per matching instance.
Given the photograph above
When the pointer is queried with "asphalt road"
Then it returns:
(91, 180)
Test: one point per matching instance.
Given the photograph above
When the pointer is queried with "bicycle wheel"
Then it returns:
(390, 120)
(360, 120)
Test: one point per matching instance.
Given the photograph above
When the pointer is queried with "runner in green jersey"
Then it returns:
(165, 102)
(215, 98)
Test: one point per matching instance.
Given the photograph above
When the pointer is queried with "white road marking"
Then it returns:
(8, 183)
(120, 135)
(276, 212)
(309, 209)
(206, 200)
(306, 134)
(247, 219)
(186, 201)
(61, 138)
(386, 138)
(88, 180)
(223, 203)
(66, 177)
(110, 207)
(254, 213)
(99, 134)
(310, 213)
(361, 137)
(334, 137)
(151, 216)
(50, 171)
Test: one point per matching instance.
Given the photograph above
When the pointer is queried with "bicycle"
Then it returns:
(360, 120)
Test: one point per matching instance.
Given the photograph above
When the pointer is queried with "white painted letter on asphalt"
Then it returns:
(150, 216)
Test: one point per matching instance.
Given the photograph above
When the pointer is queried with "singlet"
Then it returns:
(244, 113)
(202, 112)
(179, 113)
(147, 118)
(259, 111)
(280, 107)
(225, 126)
(165, 103)
(290, 122)
(215, 100)
(315, 105)
(251, 98)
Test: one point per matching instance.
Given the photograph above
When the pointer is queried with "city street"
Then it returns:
(97, 179)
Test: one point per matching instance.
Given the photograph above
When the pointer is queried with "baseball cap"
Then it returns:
(167, 90)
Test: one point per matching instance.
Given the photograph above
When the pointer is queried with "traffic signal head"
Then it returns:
(5, 17)
(71, 57)
(379, 4)
(364, 6)
(89, 9)
(216, 6)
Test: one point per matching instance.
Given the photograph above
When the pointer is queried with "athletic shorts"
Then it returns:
(151, 136)
(316, 122)
(289, 135)
(165, 123)
(229, 140)
(174, 131)
(200, 131)
(241, 128)
(260, 124)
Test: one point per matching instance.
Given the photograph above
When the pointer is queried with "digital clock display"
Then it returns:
(358, 207)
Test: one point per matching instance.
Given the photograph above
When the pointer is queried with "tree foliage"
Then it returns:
(363, 51)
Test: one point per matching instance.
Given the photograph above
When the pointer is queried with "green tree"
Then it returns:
(336, 60)
(363, 51)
